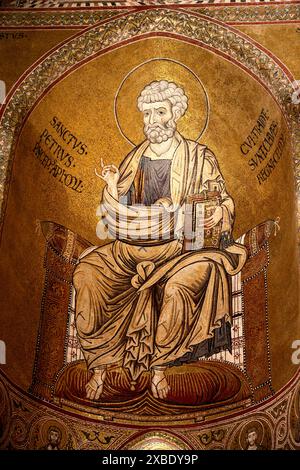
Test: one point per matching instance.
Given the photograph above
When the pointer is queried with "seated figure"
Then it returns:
(142, 301)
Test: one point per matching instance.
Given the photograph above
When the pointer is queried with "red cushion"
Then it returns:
(198, 385)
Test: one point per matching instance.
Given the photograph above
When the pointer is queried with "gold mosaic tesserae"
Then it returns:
(149, 225)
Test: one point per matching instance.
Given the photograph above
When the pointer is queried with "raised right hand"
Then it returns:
(110, 174)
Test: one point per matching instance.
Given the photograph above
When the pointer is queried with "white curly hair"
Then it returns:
(163, 90)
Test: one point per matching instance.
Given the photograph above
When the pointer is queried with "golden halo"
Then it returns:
(260, 431)
(128, 117)
(47, 423)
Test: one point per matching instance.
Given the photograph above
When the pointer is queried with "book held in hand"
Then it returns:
(198, 208)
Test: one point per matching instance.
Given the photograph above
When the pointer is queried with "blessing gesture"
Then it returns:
(109, 173)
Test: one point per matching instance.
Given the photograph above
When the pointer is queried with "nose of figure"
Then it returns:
(152, 119)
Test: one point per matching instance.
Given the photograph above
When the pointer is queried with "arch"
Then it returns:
(117, 32)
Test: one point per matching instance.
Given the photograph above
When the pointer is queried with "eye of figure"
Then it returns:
(162, 111)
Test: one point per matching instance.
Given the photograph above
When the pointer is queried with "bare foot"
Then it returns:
(94, 387)
(159, 384)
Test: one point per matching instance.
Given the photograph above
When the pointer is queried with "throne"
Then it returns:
(232, 380)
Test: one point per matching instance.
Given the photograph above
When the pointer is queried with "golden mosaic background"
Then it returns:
(235, 103)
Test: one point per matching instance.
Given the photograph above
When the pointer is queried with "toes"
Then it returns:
(160, 389)
(154, 392)
(88, 392)
(98, 392)
(93, 389)
(163, 392)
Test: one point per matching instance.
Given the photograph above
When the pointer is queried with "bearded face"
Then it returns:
(159, 122)
(54, 437)
(252, 436)
(158, 133)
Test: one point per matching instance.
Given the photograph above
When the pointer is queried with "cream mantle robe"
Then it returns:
(145, 303)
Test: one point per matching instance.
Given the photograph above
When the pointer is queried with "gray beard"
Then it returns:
(158, 133)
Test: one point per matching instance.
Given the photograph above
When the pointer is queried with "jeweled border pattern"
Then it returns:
(23, 419)
(231, 13)
(53, 19)
(115, 3)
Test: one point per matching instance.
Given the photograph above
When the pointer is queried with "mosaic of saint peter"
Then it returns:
(142, 303)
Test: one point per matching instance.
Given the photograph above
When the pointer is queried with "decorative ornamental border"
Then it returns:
(23, 418)
(54, 19)
(230, 13)
(262, 13)
(68, 4)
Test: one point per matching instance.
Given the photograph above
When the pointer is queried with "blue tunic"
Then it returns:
(156, 181)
